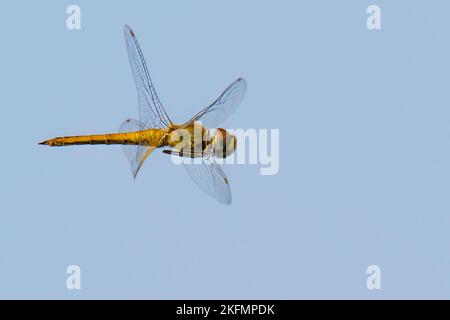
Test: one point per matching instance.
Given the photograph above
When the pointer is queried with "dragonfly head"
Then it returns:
(224, 143)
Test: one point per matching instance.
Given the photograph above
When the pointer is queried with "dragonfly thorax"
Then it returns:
(191, 139)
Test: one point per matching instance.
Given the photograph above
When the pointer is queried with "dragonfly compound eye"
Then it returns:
(224, 143)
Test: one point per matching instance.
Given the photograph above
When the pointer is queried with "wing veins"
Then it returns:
(163, 115)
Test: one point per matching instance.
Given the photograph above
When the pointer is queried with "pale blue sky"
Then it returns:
(364, 119)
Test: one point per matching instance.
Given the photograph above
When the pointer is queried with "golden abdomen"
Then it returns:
(150, 137)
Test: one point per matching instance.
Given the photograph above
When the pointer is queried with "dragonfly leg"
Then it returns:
(183, 153)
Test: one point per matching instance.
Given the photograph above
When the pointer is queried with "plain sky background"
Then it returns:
(364, 119)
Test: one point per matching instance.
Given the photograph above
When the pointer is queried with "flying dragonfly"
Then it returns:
(155, 129)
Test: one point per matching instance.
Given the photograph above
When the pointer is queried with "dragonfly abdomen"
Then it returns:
(150, 137)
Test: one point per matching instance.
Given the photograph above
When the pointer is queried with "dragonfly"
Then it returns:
(155, 130)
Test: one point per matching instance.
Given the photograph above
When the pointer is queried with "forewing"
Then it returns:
(151, 111)
(210, 178)
(223, 106)
(135, 154)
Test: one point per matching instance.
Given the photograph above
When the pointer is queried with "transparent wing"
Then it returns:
(223, 106)
(151, 111)
(210, 178)
(136, 155)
